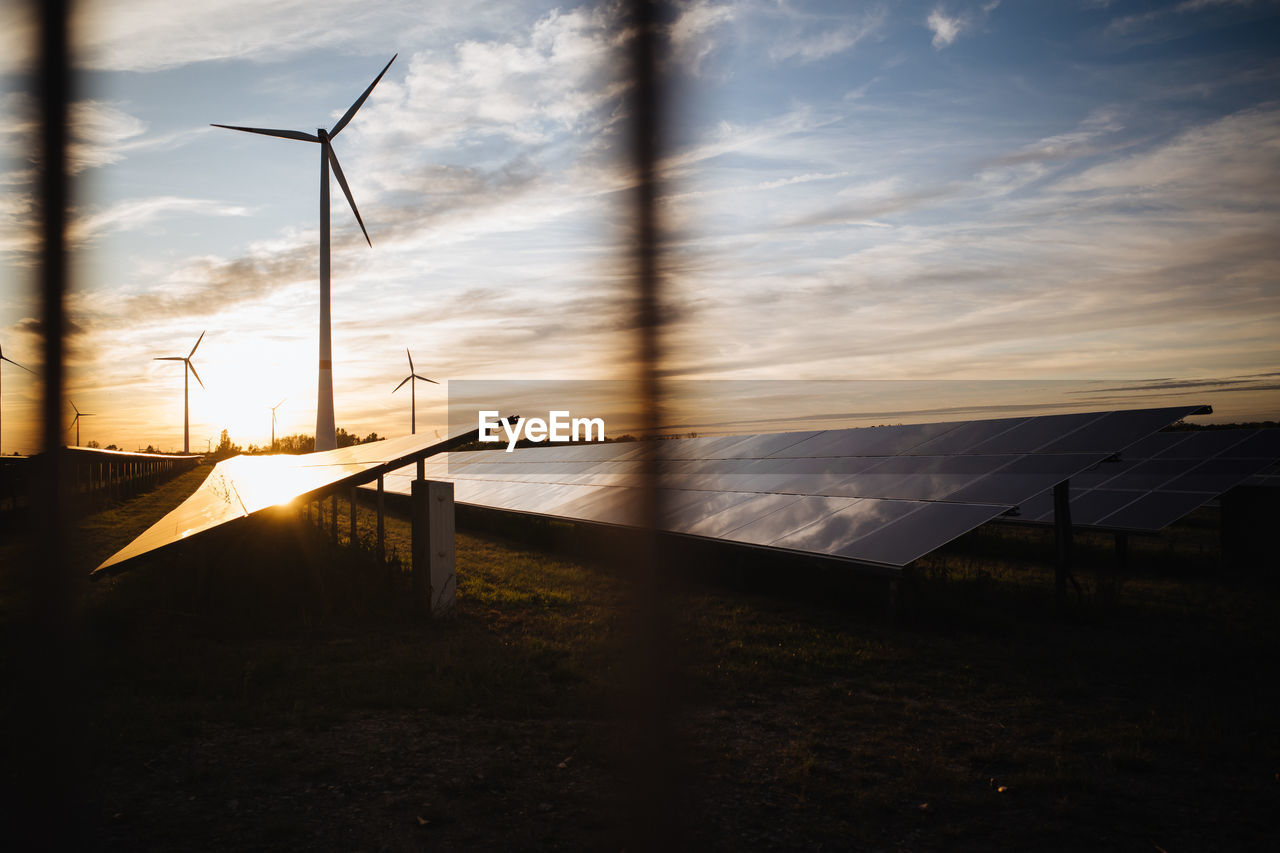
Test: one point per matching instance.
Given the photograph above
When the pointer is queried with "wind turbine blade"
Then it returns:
(342, 181)
(193, 370)
(278, 405)
(425, 379)
(401, 385)
(406, 352)
(193, 349)
(15, 364)
(342, 122)
(266, 131)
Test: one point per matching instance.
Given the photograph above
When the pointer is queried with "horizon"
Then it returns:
(971, 192)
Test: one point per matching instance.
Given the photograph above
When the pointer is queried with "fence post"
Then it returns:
(435, 578)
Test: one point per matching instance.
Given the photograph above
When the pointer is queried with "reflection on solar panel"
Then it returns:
(1161, 478)
(243, 485)
(880, 496)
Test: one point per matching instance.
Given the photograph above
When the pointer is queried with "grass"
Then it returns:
(267, 691)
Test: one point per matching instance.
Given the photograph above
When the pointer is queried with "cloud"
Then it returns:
(874, 200)
(1230, 163)
(99, 131)
(1127, 25)
(692, 32)
(152, 35)
(1151, 253)
(831, 39)
(558, 77)
(946, 28)
(136, 213)
(203, 287)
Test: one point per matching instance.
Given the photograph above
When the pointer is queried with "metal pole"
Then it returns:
(351, 498)
(1062, 539)
(381, 546)
(420, 544)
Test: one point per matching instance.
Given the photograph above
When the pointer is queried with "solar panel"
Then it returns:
(880, 496)
(1161, 478)
(243, 485)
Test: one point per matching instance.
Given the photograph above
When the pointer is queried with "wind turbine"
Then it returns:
(413, 397)
(273, 423)
(326, 431)
(4, 358)
(186, 421)
(75, 422)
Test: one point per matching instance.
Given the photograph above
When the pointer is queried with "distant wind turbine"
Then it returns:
(186, 359)
(75, 422)
(413, 397)
(273, 423)
(326, 430)
(4, 358)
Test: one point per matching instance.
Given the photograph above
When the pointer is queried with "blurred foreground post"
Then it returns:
(45, 731)
(654, 797)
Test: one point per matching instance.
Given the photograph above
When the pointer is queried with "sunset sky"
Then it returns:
(1083, 190)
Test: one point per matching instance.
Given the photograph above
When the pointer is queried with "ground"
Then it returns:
(298, 701)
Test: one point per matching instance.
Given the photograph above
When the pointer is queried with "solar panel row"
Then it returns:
(1161, 478)
(881, 496)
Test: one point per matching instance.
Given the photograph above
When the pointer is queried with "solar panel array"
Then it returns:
(879, 496)
(1161, 478)
(243, 485)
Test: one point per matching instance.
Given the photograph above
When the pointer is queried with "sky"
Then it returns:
(1006, 192)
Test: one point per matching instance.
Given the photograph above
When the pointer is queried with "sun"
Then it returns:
(243, 382)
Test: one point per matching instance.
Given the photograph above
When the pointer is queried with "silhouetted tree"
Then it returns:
(225, 449)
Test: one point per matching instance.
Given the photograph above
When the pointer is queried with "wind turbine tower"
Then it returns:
(326, 430)
(413, 398)
(186, 418)
(273, 423)
(4, 358)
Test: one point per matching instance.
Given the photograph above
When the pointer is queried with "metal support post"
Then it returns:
(351, 498)
(1062, 539)
(382, 550)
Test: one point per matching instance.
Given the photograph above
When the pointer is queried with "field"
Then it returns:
(272, 693)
